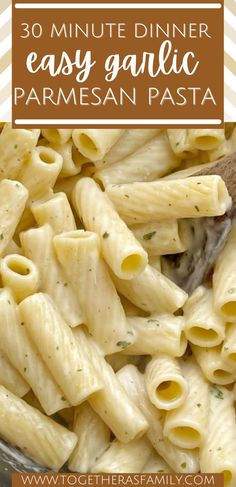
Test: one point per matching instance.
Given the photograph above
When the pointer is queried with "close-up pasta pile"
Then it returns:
(118, 299)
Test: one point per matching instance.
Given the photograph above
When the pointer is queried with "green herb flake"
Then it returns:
(22, 323)
(15, 146)
(156, 322)
(25, 368)
(216, 392)
(57, 348)
(123, 344)
(198, 404)
(9, 302)
(63, 398)
(65, 284)
(196, 207)
(183, 465)
(130, 332)
(105, 235)
(1, 236)
(79, 370)
(148, 236)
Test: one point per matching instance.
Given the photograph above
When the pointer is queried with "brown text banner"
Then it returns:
(119, 480)
(118, 64)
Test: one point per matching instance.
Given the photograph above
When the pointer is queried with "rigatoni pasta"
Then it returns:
(152, 161)
(20, 275)
(192, 197)
(24, 356)
(79, 253)
(204, 326)
(92, 325)
(121, 250)
(93, 439)
(37, 244)
(66, 357)
(167, 388)
(41, 438)
(94, 143)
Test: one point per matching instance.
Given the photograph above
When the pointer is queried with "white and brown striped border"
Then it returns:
(230, 61)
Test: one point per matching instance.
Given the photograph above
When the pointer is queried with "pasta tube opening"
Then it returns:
(203, 337)
(46, 156)
(132, 263)
(169, 390)
(229, 308)
(222, 376)
(206, 142)
(185, 437)
(87, 143)
(18, 264)
(20, 275)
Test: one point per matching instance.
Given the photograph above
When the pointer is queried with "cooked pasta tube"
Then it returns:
(24, 356)
(180, 144)
(126, 421)
(15, 147)
(191, 197)
(57, 136)
(166, 386)
(20, 275)
(130, 141)
(79, 253)
(72, 159)
(126, 457)
(39, 437)
(180, 460)
(204, 327)
(151, 161)
(206, 139)
(120, 249)
(37, 245)
(163, 237)
(10, 377)
(186, 426)
(40, 172)
(222, 150)
(95, 143)
(55, 211)
(13, 197)
(228, 351)
(93, 439)
(156, 464)
(66, 357)
(157, 333)
(152, 291)
(213, 365)
(219, 450)
(224, 279)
